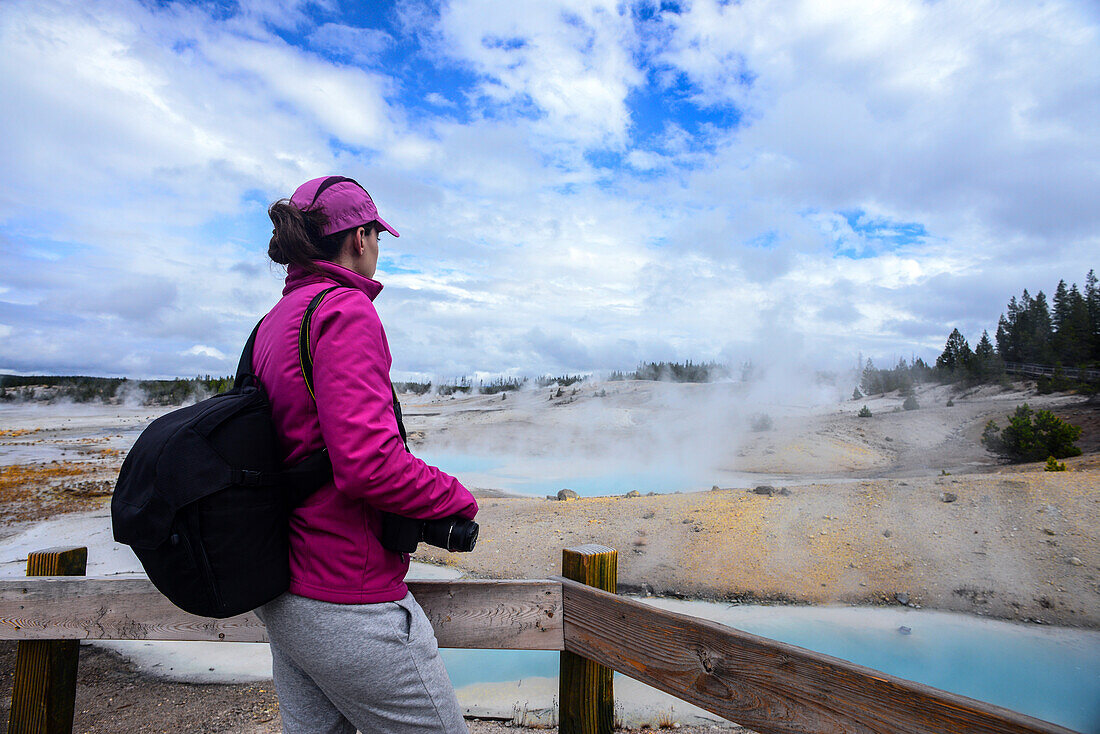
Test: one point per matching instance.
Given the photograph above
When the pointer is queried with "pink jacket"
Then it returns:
(335, 554)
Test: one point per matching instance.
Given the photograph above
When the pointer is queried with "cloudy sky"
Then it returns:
(579, 185)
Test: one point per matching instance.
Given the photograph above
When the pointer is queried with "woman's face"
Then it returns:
(366, 240)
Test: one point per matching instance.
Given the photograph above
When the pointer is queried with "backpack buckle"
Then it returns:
(248, 478)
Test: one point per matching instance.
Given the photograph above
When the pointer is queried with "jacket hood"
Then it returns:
(298, 276)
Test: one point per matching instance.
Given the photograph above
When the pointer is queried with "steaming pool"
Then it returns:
(1050, 673)
(588, 476)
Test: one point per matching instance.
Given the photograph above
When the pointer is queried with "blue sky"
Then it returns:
(579, 185)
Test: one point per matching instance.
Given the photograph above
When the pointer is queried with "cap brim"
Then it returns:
(387, 227)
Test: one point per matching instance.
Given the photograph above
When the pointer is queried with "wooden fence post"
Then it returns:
(44, 692)
(586, 701)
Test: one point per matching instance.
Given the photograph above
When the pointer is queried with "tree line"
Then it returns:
(675, 372)
(83, 389)
(1030, 331)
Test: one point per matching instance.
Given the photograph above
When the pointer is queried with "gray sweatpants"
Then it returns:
(375, 667)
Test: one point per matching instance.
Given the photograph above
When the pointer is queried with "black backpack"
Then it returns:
(204, 502)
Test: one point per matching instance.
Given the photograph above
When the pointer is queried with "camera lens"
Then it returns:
(463, 536)
(452, 533)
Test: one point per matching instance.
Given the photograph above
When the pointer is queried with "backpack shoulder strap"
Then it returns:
(397, 415)
(246, 374)
(305, 352)
(305, 360)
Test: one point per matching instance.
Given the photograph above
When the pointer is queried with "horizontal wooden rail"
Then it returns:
(1046, 370)
(768, 686)
(504, 615)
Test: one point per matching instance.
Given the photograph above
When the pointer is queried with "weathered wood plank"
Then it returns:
(498, 615)
(508, 615)
(44, 690)
(763, 684)
(586, 697)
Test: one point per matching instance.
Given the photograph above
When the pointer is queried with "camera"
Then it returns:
(401, 534)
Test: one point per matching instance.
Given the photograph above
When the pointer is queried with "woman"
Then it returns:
(351, 647)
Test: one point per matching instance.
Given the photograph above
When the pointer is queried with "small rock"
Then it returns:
(783, 491)
(632, 494)
(886, 533)
(649, 515)
(567, 494)
(1048, 531)
(715, 488)
(650, 494)
(1075, 561)
(903, 484)
(889, 439)
(765, 489)
(902, 598)
(948, 497)
(905, 630)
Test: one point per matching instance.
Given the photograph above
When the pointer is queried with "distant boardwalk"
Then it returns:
(1046, 370)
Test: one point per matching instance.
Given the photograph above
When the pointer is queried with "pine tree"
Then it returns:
(1061, 307)
(956, 357)
(1011, 330)
(1041, 333)
(1061, 339)
(987, 363)
(871, 381)
(1003, 337)
(1077, 344)
(1092, 302)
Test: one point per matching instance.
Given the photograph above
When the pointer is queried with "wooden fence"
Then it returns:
(763, 684)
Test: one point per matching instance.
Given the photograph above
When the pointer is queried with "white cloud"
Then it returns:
(363, 45)
(143, 143)
(204, 351)
(571, 62)
(438, 100)
(940, 112)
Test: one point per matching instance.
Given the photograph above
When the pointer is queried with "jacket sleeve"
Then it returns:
(355, 410)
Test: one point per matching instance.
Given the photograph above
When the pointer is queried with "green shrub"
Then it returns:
(1031, 436)
(910, 403)
(950, 403)
(864, 412)
(416, 388)
(761, 422)
(991, 437)
(1054, 465)
(501, 384)
(856, 394)
(563, 380)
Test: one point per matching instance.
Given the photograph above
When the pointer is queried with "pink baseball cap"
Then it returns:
(343, 200)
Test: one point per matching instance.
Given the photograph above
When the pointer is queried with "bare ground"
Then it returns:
(111, 698)
(866, 516)
(904, 502)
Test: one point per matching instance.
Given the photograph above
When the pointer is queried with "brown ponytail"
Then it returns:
(297, 238)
